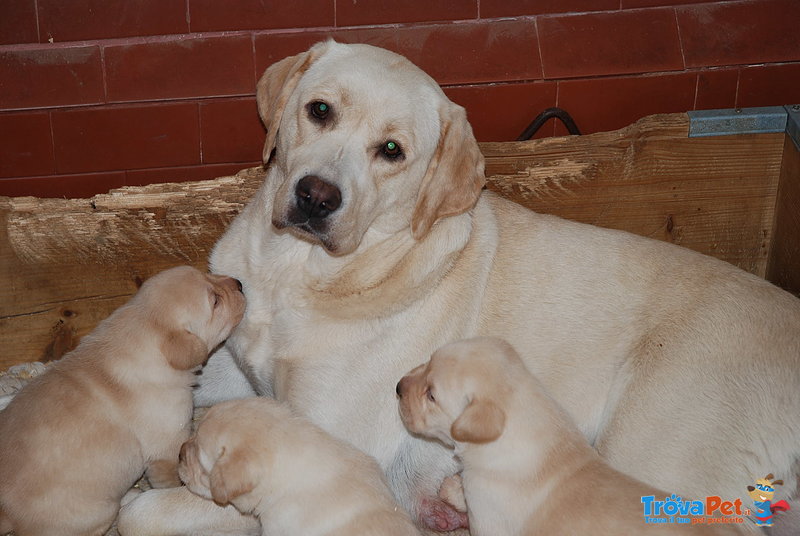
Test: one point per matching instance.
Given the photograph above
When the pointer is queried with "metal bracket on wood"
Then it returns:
(793, 124)
(746, 121)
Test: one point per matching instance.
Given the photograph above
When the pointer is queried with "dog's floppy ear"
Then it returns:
(230, 477)
(276, 86)
(183, 349)
(481, 421)
(455, 175)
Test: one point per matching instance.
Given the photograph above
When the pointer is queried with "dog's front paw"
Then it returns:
(441, 516)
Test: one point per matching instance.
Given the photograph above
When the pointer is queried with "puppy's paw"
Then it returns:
(452, 492)
(440, 516)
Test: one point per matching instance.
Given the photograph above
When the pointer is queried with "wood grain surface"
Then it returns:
(66, 264)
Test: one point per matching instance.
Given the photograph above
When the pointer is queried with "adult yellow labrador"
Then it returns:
(371, 244)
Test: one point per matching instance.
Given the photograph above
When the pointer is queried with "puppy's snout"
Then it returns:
(401, 386)
(317, 198)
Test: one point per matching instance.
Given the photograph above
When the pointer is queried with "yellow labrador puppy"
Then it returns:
(371, 244)
(297, 479)
(527, 468)
(76, 438)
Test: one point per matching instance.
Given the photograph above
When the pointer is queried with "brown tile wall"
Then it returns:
(96, 94)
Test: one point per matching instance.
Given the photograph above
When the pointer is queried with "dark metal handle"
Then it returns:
(542, 118)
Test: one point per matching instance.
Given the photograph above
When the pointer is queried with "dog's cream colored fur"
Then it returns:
(289, 473)
(632, 336)
(77, 437)
(527, 468)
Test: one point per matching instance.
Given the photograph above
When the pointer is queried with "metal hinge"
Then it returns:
(746, 121)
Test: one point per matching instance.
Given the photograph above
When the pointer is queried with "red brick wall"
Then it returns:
(96, 94)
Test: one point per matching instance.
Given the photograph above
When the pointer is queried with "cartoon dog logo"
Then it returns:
(762, 495)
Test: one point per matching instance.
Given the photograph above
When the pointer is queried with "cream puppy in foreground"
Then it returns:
(527, 469)
(297, 479)
(75, 439)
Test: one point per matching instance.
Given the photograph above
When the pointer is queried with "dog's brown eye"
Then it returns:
(430, 396)
(391, 149)
(319, 110)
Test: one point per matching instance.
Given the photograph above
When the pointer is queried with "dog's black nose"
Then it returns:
(238, 284)
(317, 198)
(398, 390)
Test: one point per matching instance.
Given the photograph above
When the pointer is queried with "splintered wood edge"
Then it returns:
(240, 187)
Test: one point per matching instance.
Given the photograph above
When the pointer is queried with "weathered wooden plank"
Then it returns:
(714, 195)
(66, 264)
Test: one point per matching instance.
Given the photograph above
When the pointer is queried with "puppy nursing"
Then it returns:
(75, 439)
(527, 469)
(258, 456)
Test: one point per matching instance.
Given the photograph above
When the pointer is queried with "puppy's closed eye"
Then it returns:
(429, 394)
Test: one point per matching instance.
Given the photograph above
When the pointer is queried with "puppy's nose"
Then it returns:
(317, 198)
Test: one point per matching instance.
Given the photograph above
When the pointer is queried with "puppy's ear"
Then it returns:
(482, 421)
(455, 175)
(230, 477)
(184, 350)
(276, 86)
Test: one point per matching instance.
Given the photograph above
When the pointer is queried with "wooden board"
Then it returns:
(714, 195)
(66, 264)
(783, 267)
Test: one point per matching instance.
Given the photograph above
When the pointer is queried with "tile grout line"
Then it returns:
(222, 33)
(680, 37)
(539, 46)
(38, 24)
(53, 142)
(199, 131)
(103, 74)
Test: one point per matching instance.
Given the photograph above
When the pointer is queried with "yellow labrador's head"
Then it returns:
(225, 459)
(362, 140)
(459, 395)
(194, 311)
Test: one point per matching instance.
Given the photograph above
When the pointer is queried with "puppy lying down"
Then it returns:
(527, 469)
(259, 457)
(76, 438)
